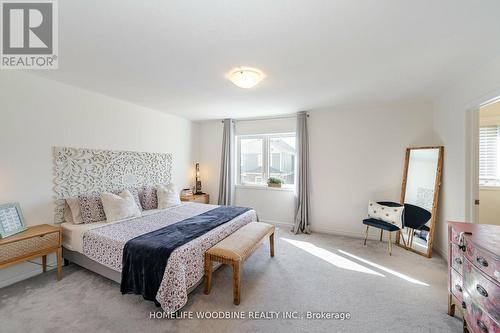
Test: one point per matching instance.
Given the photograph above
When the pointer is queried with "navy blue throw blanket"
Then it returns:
(145, 257)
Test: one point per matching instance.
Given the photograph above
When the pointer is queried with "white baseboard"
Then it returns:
(284, 225)
(25, 270)
(372, 235)
(330, 231)
(443, 253)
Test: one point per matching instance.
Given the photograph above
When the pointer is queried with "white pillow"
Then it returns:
(74, 207)
(393, 215)
(168, 196)
(119, 207)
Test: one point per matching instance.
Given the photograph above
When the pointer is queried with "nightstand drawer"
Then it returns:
(200, 198)
(23, 248)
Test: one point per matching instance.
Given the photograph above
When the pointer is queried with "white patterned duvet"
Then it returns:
(185, 265)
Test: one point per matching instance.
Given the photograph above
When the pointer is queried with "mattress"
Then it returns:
(73, 233)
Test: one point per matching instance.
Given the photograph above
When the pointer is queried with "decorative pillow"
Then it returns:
(68, 218)
(119, 207)
(91, 209)
(135, 195)
(168, 196)
(393, 215)
(73, 203)
(148, 198)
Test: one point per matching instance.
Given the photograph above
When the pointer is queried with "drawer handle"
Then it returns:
(481, 290)
(458, 287)
(482, 326)
(458, 260)
(482, 261)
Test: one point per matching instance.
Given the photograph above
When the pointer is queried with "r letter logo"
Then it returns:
(29, 34)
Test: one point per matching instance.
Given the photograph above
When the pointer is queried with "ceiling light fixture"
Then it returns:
(245, 77)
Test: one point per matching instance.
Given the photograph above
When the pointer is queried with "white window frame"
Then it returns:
(265, 160)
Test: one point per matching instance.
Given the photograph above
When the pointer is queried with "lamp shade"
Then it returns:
(245, 77)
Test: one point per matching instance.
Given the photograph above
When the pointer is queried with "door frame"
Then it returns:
(472, 155)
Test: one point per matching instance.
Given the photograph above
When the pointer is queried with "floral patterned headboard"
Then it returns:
(79, 171)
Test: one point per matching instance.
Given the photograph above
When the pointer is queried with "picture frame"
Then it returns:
(11, 220)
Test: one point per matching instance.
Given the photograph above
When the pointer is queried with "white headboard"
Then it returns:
(79, 171)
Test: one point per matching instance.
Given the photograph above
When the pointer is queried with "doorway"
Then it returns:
(487, 164)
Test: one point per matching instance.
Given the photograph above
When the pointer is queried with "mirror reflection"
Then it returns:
(419, 187)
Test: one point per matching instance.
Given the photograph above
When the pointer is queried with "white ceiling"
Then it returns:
(172, 55)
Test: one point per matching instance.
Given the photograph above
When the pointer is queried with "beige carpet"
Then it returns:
(402, 293)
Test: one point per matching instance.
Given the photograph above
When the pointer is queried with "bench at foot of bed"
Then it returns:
(234, 249)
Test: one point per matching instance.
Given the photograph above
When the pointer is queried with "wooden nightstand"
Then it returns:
(201, 198)
(36, 241)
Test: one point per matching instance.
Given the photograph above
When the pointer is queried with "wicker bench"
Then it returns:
(234, 249)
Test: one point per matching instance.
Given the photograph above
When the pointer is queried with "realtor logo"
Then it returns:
(29, 34)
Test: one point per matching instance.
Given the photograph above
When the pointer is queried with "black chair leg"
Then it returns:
(366, 235)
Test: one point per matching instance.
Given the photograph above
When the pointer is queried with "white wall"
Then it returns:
(36, 114)
(356, 155)
(451, 124)
(489, 208)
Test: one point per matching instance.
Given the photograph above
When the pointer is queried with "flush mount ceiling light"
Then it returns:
(245, 77)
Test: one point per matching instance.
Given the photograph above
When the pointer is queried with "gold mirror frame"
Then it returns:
(437, 187)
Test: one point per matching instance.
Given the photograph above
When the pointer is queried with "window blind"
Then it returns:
(488, 153)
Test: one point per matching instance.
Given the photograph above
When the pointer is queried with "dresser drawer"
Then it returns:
(455, 236)
(457, 258)
(482, 290)
(23, 248)
(477, 320)
(456, 286)
(485, 261)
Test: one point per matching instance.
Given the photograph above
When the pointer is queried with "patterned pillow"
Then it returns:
(91, 209)
(393, 215)
(149, 198)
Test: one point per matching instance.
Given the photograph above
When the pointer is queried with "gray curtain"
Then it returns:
(301, 223)
(226, 191)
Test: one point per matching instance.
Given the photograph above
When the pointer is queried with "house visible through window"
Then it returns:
(489, 173)
(262, 156)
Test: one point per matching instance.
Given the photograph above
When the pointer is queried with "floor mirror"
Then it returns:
(420, 194)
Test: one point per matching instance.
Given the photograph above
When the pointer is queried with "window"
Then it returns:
(262, 156)
(489, 173)
(251, 161)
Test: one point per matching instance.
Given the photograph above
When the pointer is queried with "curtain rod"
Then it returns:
(267, 118)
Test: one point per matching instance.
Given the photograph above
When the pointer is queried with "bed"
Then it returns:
(100, 246)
